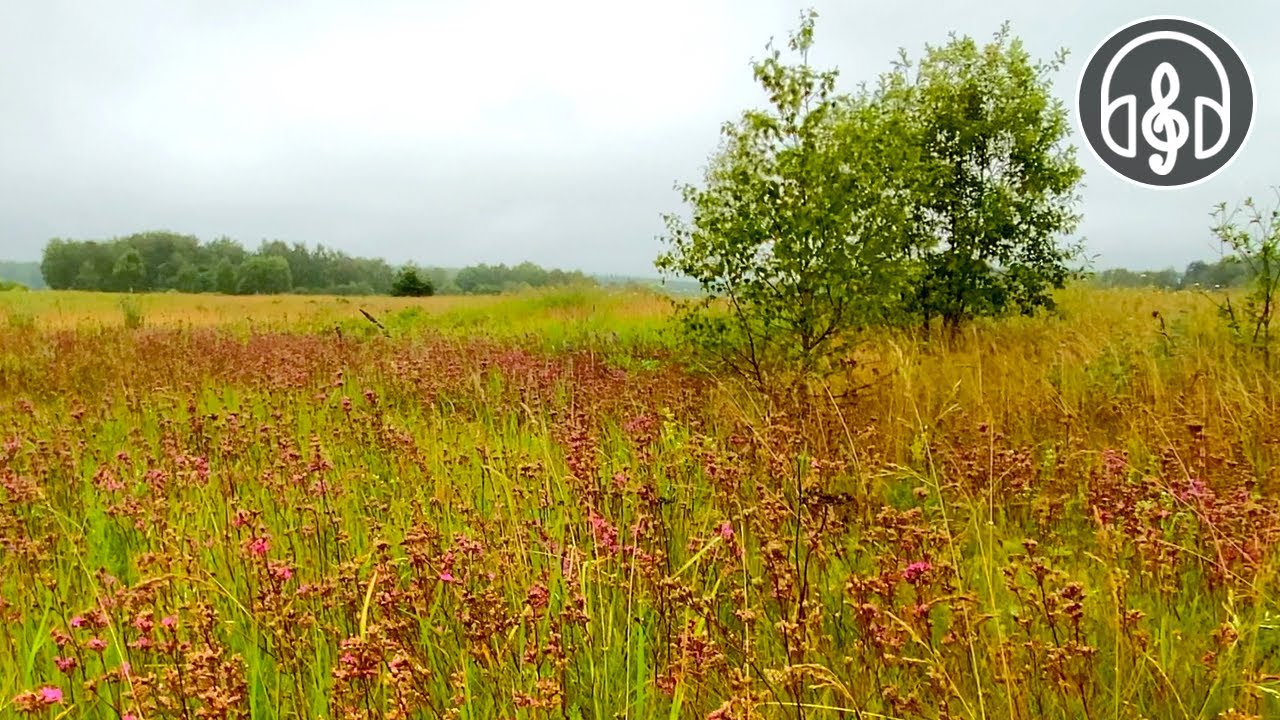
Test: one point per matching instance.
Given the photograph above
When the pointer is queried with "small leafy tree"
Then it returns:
(797, 234)
(996, 188)
(409, 284)
(260, 275)
(1252, 236)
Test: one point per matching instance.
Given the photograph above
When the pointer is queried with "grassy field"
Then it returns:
(524, 507)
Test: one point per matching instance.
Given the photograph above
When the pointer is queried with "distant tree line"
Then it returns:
(160, 261)
(490, 279)
(1228, 272)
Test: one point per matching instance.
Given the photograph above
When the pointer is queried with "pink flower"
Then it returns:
(260, 545)
(726, 530)
(128, 716)
(448, 577)
(605, 534)
(169, 621)
(96, 644)
(65, 664)
(538, 596)
(281, 571)
(77, 621)
(916, 570)
(50, 695)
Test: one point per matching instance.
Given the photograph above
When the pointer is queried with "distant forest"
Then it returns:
(160, 261)
(1227, 272)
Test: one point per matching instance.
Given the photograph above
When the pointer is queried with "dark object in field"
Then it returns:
(374, 320)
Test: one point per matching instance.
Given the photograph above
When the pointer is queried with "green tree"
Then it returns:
(129, 273)
(797, 231)
(261, 275)
(188, 279)
(222, 248)
(997, 186)
(163, 252)
(225, 277)
(61, 263)
(88, 278)
(481, 279)
(409, 284)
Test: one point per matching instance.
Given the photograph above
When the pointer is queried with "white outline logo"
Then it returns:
(1165, 130)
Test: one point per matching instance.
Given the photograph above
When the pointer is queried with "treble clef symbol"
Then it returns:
(1162, 120)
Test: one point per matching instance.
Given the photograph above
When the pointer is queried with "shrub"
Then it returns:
(409, 284)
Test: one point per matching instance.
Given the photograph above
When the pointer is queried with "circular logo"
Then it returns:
(1165, 102)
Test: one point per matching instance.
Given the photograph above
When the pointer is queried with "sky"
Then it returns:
(452, 133)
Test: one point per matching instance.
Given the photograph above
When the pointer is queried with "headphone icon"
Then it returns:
(1164, 128)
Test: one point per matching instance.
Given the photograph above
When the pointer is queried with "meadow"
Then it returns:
(527, 506)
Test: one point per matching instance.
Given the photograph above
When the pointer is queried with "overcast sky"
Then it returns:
(451, 133)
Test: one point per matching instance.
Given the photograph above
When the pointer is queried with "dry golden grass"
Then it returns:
(507, 509)
(67, 309)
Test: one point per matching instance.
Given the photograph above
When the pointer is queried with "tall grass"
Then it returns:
(524, 507)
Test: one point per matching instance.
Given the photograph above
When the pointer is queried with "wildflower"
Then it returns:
(726, 530)
(169, 621)
(605, 534)
(446, 576)
(77, 621)
(916, 570)
(143, 622)
(32, 701)
(538, 597)
(281, 571)
(65, 664)
(260, 545)
(96, 644)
